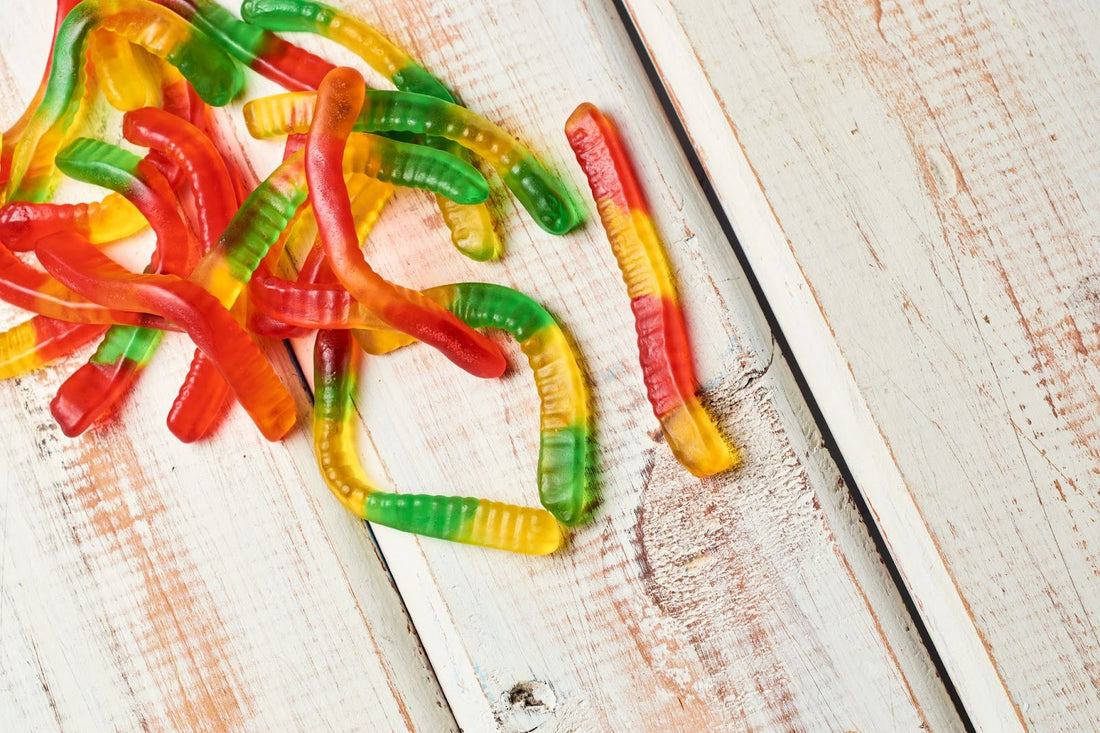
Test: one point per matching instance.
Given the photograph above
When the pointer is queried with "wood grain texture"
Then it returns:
(915, 185)
(753, 600)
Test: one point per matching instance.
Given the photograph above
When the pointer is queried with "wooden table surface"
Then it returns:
(914, 193)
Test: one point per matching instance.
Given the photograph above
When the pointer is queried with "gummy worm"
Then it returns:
(123, 71)
(339, 100)
(471, 227)
(198, 405)
(213, 74)
(270, 207)
(36, 291)
(272, 57)
(16, 130)
(368, 197)
(213, 329)
(98, 386)
(40, 340)
(23, 223)
(458, 519)
(540, 193)
(663, 345)
(564, 415)
(265, 214)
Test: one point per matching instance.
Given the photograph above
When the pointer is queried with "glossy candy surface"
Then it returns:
(338, 102)
(98, 386)
(564, 415)
(260, 221)
(265, 53)
(210, 326)
(13, 133)
(123, 71)
(23, 223)
(202, 396)
(663, 345)
(471, 227)
(458, 519)
(39, 340)
(543, 195)
(213, 74)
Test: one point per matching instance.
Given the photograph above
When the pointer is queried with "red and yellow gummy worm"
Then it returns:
(339, 100)
(663, 345)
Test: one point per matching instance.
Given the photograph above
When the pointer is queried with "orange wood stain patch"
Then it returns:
(182, 640)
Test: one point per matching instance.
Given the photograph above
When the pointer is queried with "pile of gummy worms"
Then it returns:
(219, 269)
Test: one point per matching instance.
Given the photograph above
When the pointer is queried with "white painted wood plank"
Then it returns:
(914, 186)
(753, 600)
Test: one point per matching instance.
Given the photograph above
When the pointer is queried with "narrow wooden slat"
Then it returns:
(914, 185)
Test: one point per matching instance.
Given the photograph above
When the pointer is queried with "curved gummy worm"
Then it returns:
(39, 340)
(13, 133)
(123, 72)
(214, 75)
(38, 292)
(471, 227)
(213, 329)
(98, 386)
(185, 145)
(198, 405)
(564, 415)
(303, 16)
(265, 53)
(458, 519)
(23, 223)
(338, 102)
(663, 344)
(543, 195)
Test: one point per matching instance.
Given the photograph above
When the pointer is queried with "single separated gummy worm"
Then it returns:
(471, 227)
(214, 75)
(213, 329)
(458, 519)
(564, 415)
(663, 344)
(541, 194)
(338, 102)
(98, 386)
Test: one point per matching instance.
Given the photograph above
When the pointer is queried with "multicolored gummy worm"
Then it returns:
(663, 347)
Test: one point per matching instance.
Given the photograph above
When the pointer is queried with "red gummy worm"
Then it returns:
(663, 347)
(98, 386)
(213, 329)
(36, 291)
(187, 147)
(339, 99)
(201, 399)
